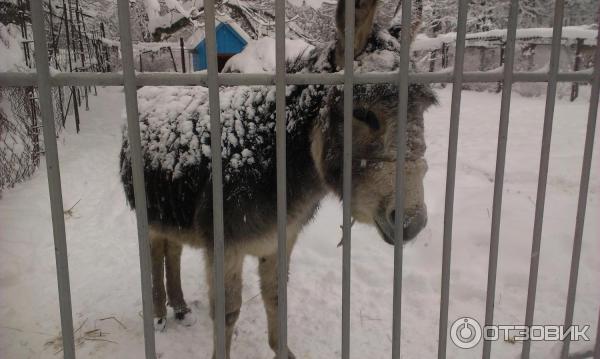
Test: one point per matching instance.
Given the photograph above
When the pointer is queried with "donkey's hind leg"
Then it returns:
(158, 247)
(174, 291)
(233, 291)
(267, 269)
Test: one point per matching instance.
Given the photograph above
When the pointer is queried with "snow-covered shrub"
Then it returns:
(259, 55)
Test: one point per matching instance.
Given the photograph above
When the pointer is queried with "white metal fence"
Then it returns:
(130, 80)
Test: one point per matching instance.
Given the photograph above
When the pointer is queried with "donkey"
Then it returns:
(175, 129)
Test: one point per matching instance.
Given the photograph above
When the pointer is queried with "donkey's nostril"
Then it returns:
(392, 217)
(413, 226)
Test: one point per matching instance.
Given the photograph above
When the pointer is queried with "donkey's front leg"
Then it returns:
(267, 268)
(233, 292)
(158, 247)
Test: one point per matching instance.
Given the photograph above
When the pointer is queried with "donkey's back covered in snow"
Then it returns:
(175, 132)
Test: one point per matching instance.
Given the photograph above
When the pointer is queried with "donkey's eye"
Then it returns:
(367, 117)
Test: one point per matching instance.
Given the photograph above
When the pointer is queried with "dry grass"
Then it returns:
(69, 212)
(83, 335)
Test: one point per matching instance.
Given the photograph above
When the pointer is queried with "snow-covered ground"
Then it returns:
(104, 266)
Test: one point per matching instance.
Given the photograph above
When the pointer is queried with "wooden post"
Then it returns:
(432, 58)
(502, 52)
(172, 58)
(576, 67)
(35, 128)
(73, 90)
(55, 53)
(182, 54)
(106, 56)
(78, 19)
(92, 66)
(22, 8)
(444, 55)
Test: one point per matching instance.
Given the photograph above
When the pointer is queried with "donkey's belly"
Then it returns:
(249, 234)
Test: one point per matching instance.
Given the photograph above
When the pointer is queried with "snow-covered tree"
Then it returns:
(579, 12)
(440, 16)
(139, 21)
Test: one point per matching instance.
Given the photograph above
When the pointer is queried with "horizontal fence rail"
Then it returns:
(266, 79)
(131, 80)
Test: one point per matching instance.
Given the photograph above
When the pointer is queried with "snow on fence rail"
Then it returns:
(45, 80)
(569, 34)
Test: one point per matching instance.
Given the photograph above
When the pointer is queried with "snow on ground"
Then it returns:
(104, 266)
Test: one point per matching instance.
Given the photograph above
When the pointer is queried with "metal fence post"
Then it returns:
(347, 172)
(403, 71)
(281, 133)
(543, 170)
(582, 200)
(457, 77)
(217, 179)
(133, 125)
(500, 165)
(54, 184)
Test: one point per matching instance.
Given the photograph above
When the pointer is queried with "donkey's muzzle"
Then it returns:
(413, 224)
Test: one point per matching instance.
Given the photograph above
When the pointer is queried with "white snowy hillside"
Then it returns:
(104, 262)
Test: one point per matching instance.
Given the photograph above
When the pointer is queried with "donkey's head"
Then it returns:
(374, 128)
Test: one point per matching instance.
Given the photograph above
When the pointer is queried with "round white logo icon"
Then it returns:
(465, 332)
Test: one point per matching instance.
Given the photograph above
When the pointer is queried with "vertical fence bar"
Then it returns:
(281, 132)
(463, 7)
(133, 125)
(217, 180)
(597, 346)
(347, 172)
(543, 171)
(54, 184)
(583, 193)
(500, 165)
(400, 153)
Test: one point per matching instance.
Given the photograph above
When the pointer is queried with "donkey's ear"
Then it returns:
(363, 20)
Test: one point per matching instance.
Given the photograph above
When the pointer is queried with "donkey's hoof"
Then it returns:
(290, 355)
(160, 324)
(185, 317)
